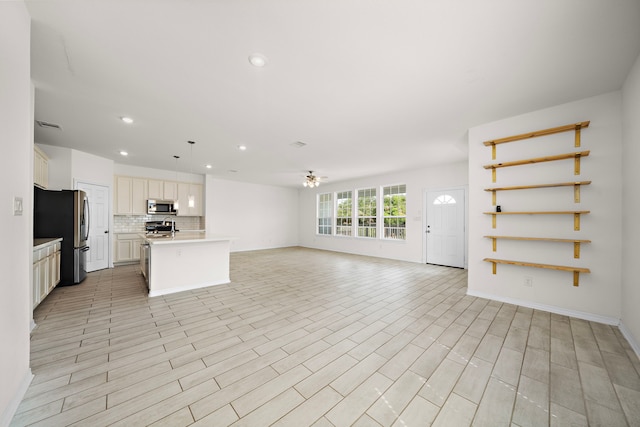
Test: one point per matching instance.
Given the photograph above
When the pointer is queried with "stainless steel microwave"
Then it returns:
(161, 207)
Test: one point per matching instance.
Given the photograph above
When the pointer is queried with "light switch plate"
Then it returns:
(17, 206)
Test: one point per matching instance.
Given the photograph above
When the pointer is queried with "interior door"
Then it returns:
(97, 258)
(445, 233)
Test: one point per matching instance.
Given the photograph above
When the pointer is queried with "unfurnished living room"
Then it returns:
(320, 213)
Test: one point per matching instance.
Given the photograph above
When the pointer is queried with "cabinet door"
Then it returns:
(124, 250)
(170, 190)
(184, 191)
(198, 208)
(156, 189)
(36, 284)
(122, 195)
(44, 277)
(139, 196)
(56, 265)
(40, 169)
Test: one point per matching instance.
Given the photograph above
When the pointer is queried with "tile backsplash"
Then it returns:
(135, 223)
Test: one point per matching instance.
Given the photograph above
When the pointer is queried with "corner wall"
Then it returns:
(599, 294)
(16, 174)
(631, 207)
(256, 216)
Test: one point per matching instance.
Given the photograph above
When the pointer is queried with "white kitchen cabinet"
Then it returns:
(46, 270)
(127, 248)
(162, 190)
(184, 191)
(40, 168)
(170, 191)
(130, 196)
(155, 189)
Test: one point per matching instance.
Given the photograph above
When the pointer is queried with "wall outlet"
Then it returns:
(528, 281)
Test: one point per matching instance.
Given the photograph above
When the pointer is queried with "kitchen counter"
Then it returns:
(182, 237)
(186, 261)
(46, 241)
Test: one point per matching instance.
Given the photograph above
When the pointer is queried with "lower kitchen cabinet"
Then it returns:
(127, 248)
(46, 269)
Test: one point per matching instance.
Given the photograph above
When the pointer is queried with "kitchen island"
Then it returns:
(185, 261)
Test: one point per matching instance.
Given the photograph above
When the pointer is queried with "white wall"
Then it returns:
(66, 166)
(417, 182)
(257, 216)
(86, 167)
(16, 175)
(59, 167)
(599, 293)
(631, 207)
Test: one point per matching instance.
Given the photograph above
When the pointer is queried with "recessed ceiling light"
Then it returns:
(242, 147)
(258, 60)
(127, 120)
(208, 166)
(124, 153)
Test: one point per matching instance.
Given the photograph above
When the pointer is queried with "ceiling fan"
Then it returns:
(312, 180)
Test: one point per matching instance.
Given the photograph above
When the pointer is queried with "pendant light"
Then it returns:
(176, 204)
(191, 198)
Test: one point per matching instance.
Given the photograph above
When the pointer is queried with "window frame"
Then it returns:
(375, 218)
(383, 222)
(325, 209)
(336, 218)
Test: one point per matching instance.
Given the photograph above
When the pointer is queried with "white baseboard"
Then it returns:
(12, 407)
(550, 308)
(630, 338)
(157, 293)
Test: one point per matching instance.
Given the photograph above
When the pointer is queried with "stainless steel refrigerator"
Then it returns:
(65, 214)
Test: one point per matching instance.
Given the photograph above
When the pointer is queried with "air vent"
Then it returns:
(298, 144)
(48, 125)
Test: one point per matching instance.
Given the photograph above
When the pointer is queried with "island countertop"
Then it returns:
(184, 237)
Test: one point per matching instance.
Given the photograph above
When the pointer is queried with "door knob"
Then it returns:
(106, 231)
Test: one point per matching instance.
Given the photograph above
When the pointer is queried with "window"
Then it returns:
(367, 224)
(344, 213)
(325, 213)
(395, 211)
(444, 199)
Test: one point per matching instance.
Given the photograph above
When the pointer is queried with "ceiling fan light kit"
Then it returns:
(312, 181)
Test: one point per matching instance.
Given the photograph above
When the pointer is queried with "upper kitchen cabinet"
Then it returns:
(40, 168)
(185, 190)
(130, 196)
(162, 190)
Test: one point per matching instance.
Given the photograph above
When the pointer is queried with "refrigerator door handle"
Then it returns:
(88, 218)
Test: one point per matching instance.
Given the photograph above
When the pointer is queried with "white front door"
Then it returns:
(445, 233)
(98, 254)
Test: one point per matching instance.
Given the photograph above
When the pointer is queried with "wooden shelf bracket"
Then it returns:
(576, 242)
(576, 215)
(575, 155)
(576, 270)
(575, 126)
(575, 184)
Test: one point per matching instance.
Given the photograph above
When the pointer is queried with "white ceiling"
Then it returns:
(371, 86)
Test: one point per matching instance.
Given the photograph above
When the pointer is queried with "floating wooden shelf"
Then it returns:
(576, 242)
(566, 128)
(575, 155)
(576, 270)
(576, 215)
(576, 188)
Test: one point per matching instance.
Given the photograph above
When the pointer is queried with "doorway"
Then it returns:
(98, 254)
(445, 227)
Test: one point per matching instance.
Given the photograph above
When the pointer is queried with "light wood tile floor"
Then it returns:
(304, 337)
